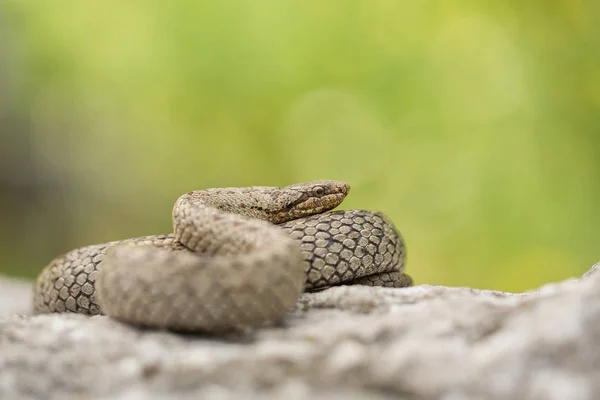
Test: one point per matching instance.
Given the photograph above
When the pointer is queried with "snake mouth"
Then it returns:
(309, 204)
(318, 204)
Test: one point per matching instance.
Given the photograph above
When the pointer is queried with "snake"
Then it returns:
(238, 258)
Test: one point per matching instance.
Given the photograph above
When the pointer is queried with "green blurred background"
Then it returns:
(473, 125)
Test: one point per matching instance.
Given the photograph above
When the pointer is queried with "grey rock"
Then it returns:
(15, 296)
(349, 342)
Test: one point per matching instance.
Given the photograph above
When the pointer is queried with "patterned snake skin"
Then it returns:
(226, 266)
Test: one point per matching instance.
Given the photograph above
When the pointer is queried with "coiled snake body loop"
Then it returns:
(227, 265)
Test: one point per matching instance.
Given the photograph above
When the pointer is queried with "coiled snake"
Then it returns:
(227, 266)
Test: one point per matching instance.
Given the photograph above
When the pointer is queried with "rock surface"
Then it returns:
(424, 342)
(15, 296)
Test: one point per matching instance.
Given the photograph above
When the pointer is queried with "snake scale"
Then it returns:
(238, 258)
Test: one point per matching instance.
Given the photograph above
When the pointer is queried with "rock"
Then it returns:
(15, 296)
(349, 342)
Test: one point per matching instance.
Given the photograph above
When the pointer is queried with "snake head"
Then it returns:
(303, 199)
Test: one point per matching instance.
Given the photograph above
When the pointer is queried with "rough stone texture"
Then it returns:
(15, 296)
(424, 342)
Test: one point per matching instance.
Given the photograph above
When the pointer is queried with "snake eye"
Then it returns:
(319, 191)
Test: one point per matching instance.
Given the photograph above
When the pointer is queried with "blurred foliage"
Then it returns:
(474, 125)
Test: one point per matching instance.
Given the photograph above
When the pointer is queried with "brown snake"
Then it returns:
(227, 266)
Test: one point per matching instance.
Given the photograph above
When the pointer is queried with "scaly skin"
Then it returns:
(227, 266)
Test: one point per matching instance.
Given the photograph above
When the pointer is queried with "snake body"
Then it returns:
(238, 258)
